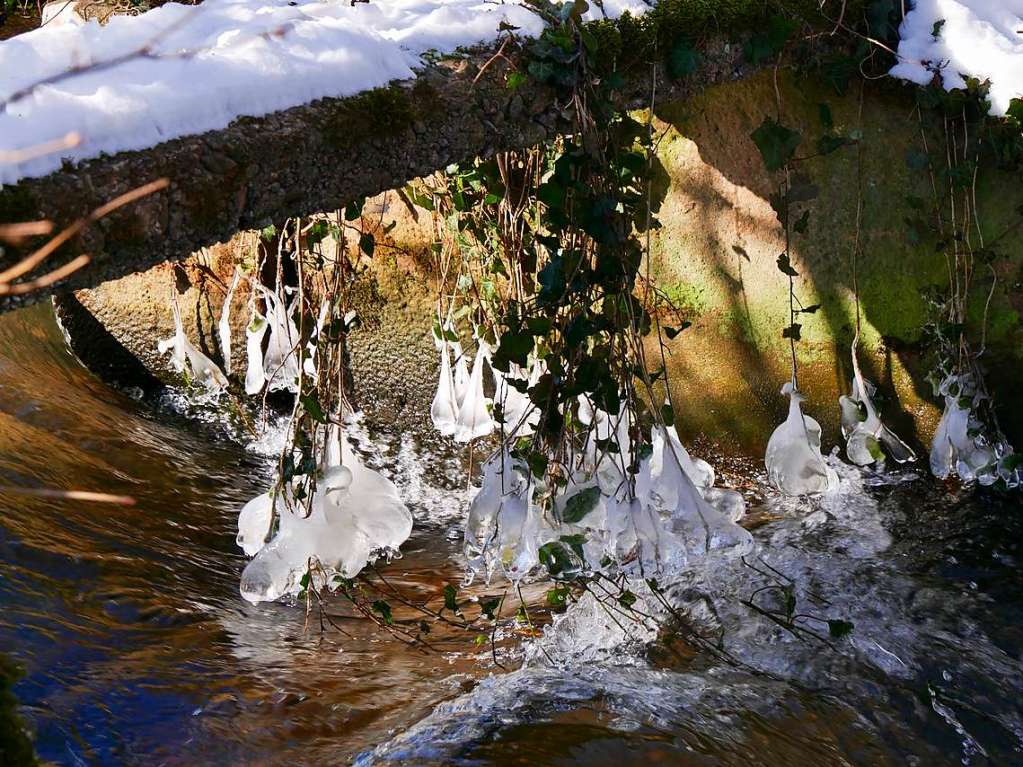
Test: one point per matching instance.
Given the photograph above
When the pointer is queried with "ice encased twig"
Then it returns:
(473, 414)
(254, 333)
(793, 459)
(867, 439)
(224, 325)
(444, 408)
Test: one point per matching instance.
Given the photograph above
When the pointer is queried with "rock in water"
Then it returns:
(793, 459)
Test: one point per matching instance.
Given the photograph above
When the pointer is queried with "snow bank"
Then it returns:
(979, 38)
(224, 59)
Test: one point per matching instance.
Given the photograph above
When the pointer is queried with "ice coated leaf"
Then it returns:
(185, 358)
(580, 504)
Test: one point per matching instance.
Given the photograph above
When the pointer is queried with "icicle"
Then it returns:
(254, 332)
(309, 363)
(793, 459)
(865, 436)
(444, 409)
(224, 326)
(473, 417)
(354, 513)
(254, 522)
(185, 357)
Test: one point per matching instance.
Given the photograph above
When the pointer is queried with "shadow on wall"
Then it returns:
(720, 238)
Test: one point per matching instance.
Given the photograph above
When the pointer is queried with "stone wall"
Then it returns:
(712, 194)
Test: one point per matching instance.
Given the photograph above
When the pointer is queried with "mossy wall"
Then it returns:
(720, 238)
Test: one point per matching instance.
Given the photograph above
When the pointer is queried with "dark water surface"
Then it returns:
(138, 649)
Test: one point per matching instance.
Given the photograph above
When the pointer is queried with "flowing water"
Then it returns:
(138, 649)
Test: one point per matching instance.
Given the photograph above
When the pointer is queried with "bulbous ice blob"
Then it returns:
(354, 513)
(444, 409)
(473, 416)
(497, 529)
(254, 333)
(184, 356)
(254, 522)
(224, 326)
(867, 439)
(793, 459)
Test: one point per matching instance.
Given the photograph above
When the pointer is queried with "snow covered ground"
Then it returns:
(209, 64)
(978, 38)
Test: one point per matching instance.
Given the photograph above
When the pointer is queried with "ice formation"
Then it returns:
(185, 358)
(964, 446)
(203, 61)
(473, 409)
(655, 521)
(461, 375)
(224, 326)
(280, 363)
(868, 440)
(309, 363)
(520, 416)
(444, 409)
(254, 333)
(793, 459)
(964, 38)
(355, 513)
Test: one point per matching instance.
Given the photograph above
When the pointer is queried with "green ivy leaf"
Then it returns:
(668, 414)
(824, 113)
(354, 209)
(777, 144)
(770, 40)
(312, 406)
(450, 603)
(580, 504)
(627, 599)
(803, 223)
(839, 628)
(792, 331)
(384, 609)
(367, 244)
(489, 608)
(811, 309)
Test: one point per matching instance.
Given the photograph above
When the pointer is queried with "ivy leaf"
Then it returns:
(672, 332)
(384, 609)
(776, 143)
(557, 597)
(811, 309)
(354, 209)
(785, 266)
(682, 60)
(449, 598)
(580, 504)
(803, 223)
(792, 331)
(668, 414)
(312, 407)
(917, 159)
(367, 244)
(627, 599)
(489, 608)
(513, 347)
(839, 628)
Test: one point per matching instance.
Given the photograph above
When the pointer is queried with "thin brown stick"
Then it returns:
(69, 495)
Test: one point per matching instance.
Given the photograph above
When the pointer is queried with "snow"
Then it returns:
(211, 63)
(979, 38)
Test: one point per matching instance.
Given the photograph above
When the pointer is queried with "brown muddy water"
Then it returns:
(137, 648)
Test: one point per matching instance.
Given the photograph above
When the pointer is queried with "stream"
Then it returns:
(138, 649)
